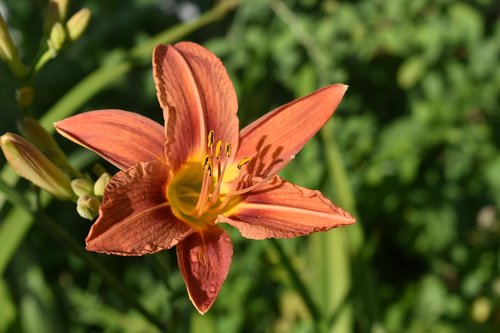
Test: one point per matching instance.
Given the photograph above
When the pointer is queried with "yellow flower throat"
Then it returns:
(194, 193)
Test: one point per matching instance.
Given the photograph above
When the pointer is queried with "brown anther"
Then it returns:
(210, 142)
(243, 162)
(227, 150)
(206, 161)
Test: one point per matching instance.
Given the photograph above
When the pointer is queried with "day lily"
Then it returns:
(180, 181)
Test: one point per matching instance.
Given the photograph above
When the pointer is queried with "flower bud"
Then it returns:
(8, 50)
(101, 184)
(56, 12)
(24, 96)
(57, 37)
(31, 164)
(87, 206)
(45, 142)
(82, 186)
(77, 23)
(7, 47)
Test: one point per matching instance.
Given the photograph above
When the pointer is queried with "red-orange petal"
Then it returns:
(135, 218)
(274, 139)
(197, 96)
(204, 261)
(279, 209)
(121, 137)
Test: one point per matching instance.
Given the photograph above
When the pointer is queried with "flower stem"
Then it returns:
(301, 287)
(44, 58)
(361, 271)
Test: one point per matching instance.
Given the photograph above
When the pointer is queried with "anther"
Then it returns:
(243, 162)
(218, 148)
(210, 142)
(206, 160)
(227, 150)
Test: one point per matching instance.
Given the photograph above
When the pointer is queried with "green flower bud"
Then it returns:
(8, 50)
(87, 206)
(57, 37)
(56, 12)
(101, 184)
(24, 96)
(31, 164)
(82, 186)
(7, 47)
(45, 142)
(77, 23)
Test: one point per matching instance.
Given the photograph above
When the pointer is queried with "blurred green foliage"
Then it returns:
(419, 136)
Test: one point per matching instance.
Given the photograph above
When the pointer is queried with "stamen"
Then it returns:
(205, 188)
(210, 141)
(250, 188)
(218, 148)
(227, 150)
(210, 200)
(220, 175)
(206, 161)
(230, 195)
(244, 161)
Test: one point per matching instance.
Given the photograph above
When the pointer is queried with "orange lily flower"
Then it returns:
(179, 181)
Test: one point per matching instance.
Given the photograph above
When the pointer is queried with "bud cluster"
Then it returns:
(89, 195)
(37, 157)
(58, 32)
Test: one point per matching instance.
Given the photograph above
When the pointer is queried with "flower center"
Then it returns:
(197, 192)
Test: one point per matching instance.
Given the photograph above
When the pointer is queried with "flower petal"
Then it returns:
(204, 261)
(121, 137)
(279, 209)
(274, 139)
(197, 96)
(135, 218)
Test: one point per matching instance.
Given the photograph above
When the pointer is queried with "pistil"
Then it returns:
(210, 199)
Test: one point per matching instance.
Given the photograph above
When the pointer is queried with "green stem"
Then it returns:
(299, 285)
(66, 240)
(365, 280)
(44, 58)
(144, 50)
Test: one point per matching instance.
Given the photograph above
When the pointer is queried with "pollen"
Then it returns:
(227, 150)
(218, 148)
(243, 162)
(206, 161)
(210, 140)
